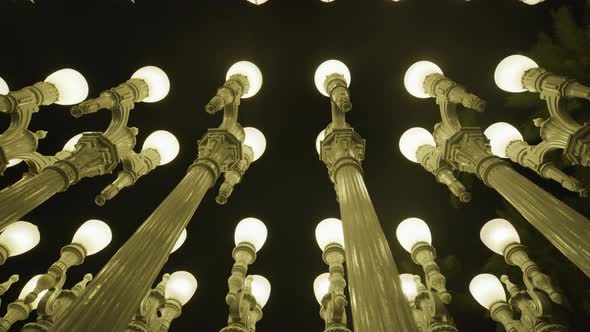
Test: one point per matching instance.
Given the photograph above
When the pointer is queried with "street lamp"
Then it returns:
(414, 236)
(560, 132)
(19, 309)
(466, 149)
(96, 153)
(17, 239)
(247, 295)
(5, 286)
(126, 278)
(17, 143)
(329, 287)
(375, 274)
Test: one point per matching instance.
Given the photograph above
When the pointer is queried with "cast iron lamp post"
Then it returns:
(329, 287)
(17, 239)
(466, 149)
(488, 291)
(371, 269)
(96, 153)
(247, 295)
(5, 286)
(126, 278)
(560, 132)
(18, 143)
(414, 236)
(19, 309)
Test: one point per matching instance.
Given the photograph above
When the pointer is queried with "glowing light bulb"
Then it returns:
(511, 70)
(319, 139)
(329, 231)
(157, 82)
(257, 2)
(94, 235)
(409, 286)
(328, 68)
(415, 76)
(4, 90)
(321, 286)
(532, 2)
(501, 134)
(260, 289)
(71, 86)
(412, 140)
(250, 70)
(252, 231)
(255, 139)
(487, 290)
(29, 287)
(411, 231)
(181, 287)
(180, 241)
(13, 162)
(497, 234)
(165, 143)
(20, 237)
(70, 145)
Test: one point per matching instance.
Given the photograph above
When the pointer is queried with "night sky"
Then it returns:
(195, 42)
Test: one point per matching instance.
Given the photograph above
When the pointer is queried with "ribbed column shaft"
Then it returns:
(565, 228)
(377, 301)
(111, 300)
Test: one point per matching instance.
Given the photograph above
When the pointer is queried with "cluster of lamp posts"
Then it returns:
(528, 2)
(120, 297)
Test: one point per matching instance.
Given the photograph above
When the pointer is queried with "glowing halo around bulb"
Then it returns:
(20, 237)
(487, 289)
(94, 235)
(415, 76)
(181, 286)
(255, 139)
(180, 241)
(321, 286)
(157, 82)
(329, 231)
(501, 134)
(4, 90)
(409, 286)
(71, 86)
(70, 145)
(497, 234)
(510, 71)
(165, 143)
(252, 231)
(251, 71)
(29, 287)
(412, 140)
(319, 139)
(411, 231)
(260, 289)
(328, 68)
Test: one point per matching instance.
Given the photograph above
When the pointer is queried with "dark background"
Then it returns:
(195, 42)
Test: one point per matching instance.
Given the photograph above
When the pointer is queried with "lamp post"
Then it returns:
(329, 287)
(560, 132)
(125, 279)
(19, 309)
(5, 286)
(17, 239)
(466, 149)
(371, 268)
(247, 295)
(17, 143)
(96, 153)
(414, 236)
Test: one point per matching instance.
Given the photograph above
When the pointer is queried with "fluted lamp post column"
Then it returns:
(96, 153)
(19, 309)
(115, 294)
(329, 287)
(18, 143)
(371, 269)
(414, 236)
(245, 309)
(466, 149)
(17, 239)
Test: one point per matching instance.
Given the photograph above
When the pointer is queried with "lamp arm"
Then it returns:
(429, 157)
(5, 286)
(234, 175)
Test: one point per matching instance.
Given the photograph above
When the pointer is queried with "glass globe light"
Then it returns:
(256, 140)
(94, 235)
(328, 68)
(71, 86)
(511, 70)
(257, 2)
(260, 289)
(329, 231)
(165, 143)
(180, 241)
(157, 82)
(70, 145)
(29, 287)
(248, 69)
(252, 231)
(181, 287)
(4, 90)
(411, 231)
(497, 234)
(412, 140)
(501, 134)
(487, 289)
(328, 1)
(409, 286)
(415, 76)
(532, 2)
(319, 139)
(20, 237)
(13, 162)
(321, 286)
